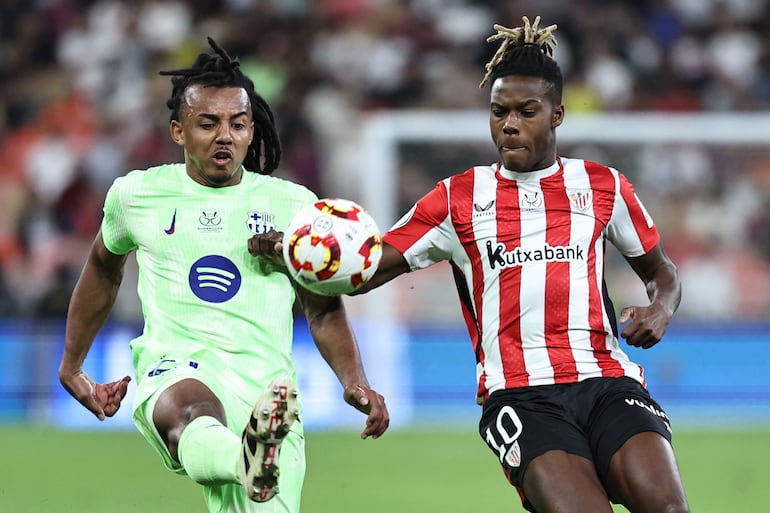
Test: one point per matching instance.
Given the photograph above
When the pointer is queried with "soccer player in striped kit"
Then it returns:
(564, 409)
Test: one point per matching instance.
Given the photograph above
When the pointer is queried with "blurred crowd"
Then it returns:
(81, 103)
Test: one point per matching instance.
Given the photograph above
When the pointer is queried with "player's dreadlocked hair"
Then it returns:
(525, 51)
(221, 71)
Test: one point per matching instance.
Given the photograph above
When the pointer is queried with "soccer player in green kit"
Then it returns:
(218, 323)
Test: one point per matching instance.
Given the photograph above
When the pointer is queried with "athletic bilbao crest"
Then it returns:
(580, 200)
(513, 456)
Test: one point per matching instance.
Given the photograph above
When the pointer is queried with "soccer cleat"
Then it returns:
(270, 422)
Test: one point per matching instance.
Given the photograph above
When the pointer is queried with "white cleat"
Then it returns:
(270, 422)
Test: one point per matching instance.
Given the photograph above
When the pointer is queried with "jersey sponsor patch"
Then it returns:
(214, 279)
(633, 401)
(531, 201)
(209, 221)
(483, 210)
(497, 254)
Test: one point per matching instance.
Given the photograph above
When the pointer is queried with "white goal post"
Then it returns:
(383, 132)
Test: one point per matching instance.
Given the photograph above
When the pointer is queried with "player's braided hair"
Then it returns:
(222, 71)
(525, 51)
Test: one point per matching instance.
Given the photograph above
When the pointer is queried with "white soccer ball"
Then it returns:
(332, 247)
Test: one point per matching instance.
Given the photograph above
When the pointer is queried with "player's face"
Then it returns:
(215, 129)
(523, 119)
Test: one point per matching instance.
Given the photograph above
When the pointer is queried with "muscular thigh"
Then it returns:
(644, 477)
(559, 481)
(182, 402)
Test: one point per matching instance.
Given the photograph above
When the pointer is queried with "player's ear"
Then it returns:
(558, 115)
(177, 135)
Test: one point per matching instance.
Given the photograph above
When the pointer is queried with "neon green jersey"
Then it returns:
(201, 291)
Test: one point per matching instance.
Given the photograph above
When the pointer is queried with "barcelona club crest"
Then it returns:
(260, 222)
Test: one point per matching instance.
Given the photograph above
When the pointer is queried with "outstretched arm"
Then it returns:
(336, 342)
(661, 279)
(90, 305)
(392, 263)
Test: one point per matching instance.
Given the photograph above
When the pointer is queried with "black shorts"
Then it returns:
(592, 419)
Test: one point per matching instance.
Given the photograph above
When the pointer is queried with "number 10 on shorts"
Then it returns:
(507, 448)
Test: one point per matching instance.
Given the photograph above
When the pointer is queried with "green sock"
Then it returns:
(209, 452)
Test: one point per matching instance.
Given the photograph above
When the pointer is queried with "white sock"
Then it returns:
(209, 452)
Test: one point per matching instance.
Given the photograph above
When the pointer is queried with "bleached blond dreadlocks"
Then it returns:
(220, 70)
(525, 51)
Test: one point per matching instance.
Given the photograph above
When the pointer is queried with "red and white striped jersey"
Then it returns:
(527, 252)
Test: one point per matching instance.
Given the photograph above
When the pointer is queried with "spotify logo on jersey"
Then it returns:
(214, 279)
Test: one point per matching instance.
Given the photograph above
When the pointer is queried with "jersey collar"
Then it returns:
(537, 174)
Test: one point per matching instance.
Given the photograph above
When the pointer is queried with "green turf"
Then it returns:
(405, 471)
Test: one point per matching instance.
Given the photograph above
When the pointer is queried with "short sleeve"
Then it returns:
(631, 229)
(115, 231)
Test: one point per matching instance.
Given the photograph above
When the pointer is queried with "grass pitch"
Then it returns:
(412, 471)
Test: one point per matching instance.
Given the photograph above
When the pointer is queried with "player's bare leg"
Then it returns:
(644, 476)
(270, 422)
(558, 481)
